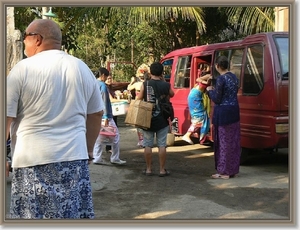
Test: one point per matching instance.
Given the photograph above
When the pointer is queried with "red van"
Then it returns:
(261, 62)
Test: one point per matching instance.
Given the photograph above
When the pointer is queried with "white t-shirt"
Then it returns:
(50, 95)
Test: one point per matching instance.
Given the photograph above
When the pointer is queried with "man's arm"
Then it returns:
(131, 85)
(141, 93)
(93, 125)
(171, 92)
(8, 123)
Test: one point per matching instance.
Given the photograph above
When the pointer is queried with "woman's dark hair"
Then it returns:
(222, 62)
(146, 76)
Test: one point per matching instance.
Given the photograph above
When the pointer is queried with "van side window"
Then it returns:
(282, 44)
(182, 75)
(225, 53)
(235, 57)
(236, 61)
(253, 71)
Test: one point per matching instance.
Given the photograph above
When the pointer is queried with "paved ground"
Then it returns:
(122, 193)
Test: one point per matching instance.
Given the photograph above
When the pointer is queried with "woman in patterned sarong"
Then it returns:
(226, 121)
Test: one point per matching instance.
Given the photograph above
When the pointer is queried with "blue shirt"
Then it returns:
(226, 109)
(105, 96)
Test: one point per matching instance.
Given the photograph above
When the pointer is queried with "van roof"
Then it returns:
(213, 46)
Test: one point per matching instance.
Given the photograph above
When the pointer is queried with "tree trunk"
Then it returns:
(14, 45)
(44, 11)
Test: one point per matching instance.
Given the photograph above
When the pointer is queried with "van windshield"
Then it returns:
(282, 44)
(167, 69)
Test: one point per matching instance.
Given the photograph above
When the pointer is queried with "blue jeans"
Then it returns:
(161, 137)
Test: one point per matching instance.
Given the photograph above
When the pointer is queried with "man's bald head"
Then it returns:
(41, 35)
(47, 28)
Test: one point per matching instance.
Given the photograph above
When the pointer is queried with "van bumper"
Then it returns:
(283, 141)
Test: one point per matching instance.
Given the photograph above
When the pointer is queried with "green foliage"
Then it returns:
(122, 72)
(218, 29)
(145, 34)
(251, 20)
(90, 45)
(24, 16)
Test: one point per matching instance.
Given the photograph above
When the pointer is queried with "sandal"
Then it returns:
(167, 173)
(219, 176)
(147, 173)
(188, 140)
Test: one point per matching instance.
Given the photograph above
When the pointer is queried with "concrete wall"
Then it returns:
(282, 19)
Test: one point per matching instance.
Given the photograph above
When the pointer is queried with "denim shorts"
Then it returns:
(161, 137)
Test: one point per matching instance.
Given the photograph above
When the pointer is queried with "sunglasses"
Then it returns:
(29, 34)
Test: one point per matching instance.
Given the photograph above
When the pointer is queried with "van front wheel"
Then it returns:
(244, 155)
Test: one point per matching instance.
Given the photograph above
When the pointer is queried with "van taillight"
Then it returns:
(282, 128)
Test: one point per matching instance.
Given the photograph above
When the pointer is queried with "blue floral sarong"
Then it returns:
(52, 191)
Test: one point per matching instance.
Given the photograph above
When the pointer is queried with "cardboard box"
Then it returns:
(139, 114)
(119, 107)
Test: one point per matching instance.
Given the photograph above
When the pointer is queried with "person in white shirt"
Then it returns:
(54, 112)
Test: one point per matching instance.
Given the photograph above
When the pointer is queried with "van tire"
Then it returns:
(244, 155)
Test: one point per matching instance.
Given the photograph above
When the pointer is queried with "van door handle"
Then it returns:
(278, 75)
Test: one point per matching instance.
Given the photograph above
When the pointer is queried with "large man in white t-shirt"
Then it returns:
(54, 112)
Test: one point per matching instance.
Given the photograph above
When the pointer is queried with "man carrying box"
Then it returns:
(150, 91)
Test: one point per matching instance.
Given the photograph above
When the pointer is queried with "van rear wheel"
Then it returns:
(244, 155)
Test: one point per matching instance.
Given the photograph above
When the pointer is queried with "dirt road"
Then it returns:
(260, 192)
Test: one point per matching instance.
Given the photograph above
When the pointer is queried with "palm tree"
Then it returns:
(250, 20)
(151, 14)
(164, 13)
(138, 15)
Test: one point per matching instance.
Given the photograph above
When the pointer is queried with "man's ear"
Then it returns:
(39, 40)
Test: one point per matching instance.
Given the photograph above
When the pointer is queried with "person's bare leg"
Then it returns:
(140, 138)
(162, 154)
(148, 159)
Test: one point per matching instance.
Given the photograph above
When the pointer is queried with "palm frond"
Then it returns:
(152, 14)
(252, 19)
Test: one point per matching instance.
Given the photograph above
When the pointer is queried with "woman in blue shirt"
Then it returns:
(226, 121)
